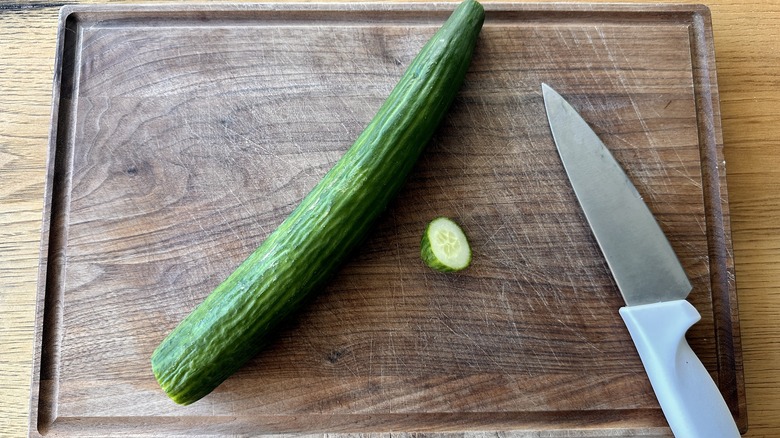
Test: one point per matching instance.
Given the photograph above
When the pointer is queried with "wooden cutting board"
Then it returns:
(182, 136)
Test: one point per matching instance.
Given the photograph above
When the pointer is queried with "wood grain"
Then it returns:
(175, 152)
(752, 188)
(25, 107)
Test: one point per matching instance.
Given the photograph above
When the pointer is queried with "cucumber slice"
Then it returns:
(444, 246)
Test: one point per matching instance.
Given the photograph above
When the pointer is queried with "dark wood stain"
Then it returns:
(185, 134)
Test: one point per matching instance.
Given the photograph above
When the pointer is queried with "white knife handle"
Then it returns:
(690, 400)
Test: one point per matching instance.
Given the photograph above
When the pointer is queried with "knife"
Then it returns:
(647, 272)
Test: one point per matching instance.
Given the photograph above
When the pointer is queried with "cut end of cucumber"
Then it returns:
(444, 246)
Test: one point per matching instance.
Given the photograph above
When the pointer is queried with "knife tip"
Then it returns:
(547, 90)
(549, 95)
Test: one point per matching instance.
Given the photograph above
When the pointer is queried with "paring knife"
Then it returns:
(648, 274)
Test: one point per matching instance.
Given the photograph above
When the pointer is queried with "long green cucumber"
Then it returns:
(237, 319)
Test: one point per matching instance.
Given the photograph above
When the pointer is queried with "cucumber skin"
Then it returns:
(236, 320)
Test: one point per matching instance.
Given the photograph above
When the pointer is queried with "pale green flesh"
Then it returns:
(445, 246)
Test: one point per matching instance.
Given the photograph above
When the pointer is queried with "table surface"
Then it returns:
(747, 45)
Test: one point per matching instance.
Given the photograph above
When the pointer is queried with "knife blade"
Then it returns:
(648, 274)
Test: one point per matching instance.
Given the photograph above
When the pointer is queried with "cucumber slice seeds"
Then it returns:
(444, 246)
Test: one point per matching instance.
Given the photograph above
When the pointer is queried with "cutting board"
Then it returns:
(181, 136)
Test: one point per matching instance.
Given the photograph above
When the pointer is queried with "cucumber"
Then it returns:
(238, 318)
(444, 246)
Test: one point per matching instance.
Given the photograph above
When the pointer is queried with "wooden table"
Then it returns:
(747, 37)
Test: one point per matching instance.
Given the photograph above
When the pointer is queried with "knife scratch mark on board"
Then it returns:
(400, 261)
(681, 171)
(507, 306)
(369, 386)
(474, 362)
(616, 65)
(614, 56)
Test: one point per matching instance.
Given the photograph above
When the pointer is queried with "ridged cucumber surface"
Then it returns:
(238, 318)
